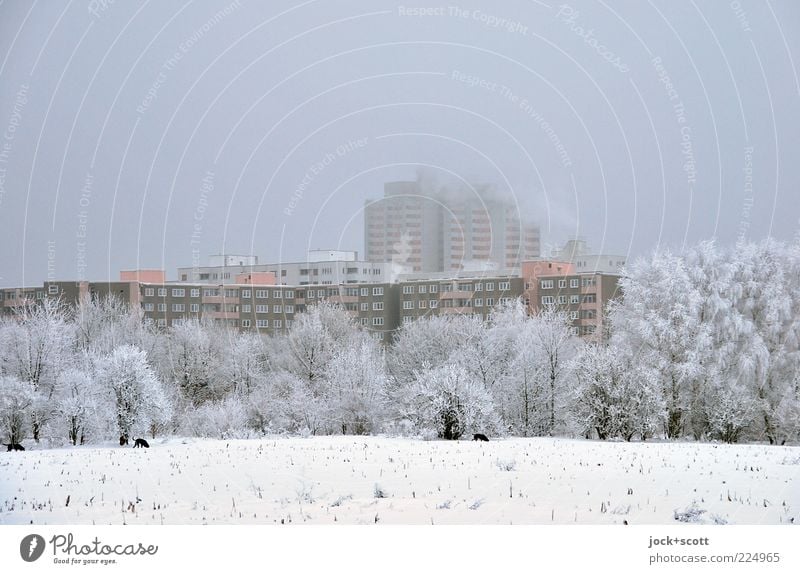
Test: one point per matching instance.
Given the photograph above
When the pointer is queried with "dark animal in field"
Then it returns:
(14, 446)
(479, 436)
(123, 440)
(140, 443)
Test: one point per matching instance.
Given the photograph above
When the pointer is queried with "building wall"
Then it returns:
(380, 308)
(293, 273)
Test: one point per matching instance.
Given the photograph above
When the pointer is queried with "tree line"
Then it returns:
(703, 345)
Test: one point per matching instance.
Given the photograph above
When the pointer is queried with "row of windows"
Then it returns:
(573, 283)
(448, 287)
(573, 299)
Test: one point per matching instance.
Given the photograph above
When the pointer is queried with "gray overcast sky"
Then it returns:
(132, 133)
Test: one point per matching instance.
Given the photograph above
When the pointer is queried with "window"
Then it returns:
(407, 319)
(408, 305)
(545, 284)
(364, 321)
(589, 298)
(588, 282)
(490, 301)
(148, 306)
(194, 293)
(365, 306)
(364, 291)
(548, 300)
(562, 283)
(478, 302)
(377, 290)
(162, 307)
(433, 303)
(277, 308)
(263, 323)
(478, 286)
(351, 291)
(377, 306)
(433, 288)
(289, 309)
(262, 308)
(447, 287)
(149, 292)
(310, 294)
(320, 293)
(377, 321)
(194, 307)
(161, 322)
(574, 284)
(504, 285)
(588, 314)
(490, 286)
(465, 286)
(408, 289)
(204, 277)
(422, 289)
(562, 299)
(246, 308)
(206, 292)
(277, 323)
(178, 307)
(288, 294)
(423, 303)
(179, 292)
(245, 322)
(277, 294)
(505, 300)
(261, 293)
(162, 291)
(573, 315)
(231, 293)
(574, 299)
(246, 293)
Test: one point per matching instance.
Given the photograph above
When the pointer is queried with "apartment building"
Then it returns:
(322, 267)
(485, 235)
(424, 231)
(404, 229)
(577, 252)
(268, 308)
(583, 296)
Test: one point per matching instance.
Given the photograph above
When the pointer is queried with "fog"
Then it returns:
(152, 134)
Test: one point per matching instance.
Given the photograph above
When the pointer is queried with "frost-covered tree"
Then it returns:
(80, 404)
(659, 319)
(614, 397)
(139, 401)
(357, 386)
(194, 351)
(450, 402)
(16, 403)
(432, 341)
(36, 345)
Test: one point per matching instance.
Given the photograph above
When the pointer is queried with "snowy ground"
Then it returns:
(326, 480)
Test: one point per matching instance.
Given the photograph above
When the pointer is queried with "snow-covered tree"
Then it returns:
(35, 348)
(79, 403)
(357, 385)
(450, 402)
(659, 319)
(140, 403)
(194, 352)
(554, 344)
(16, 402)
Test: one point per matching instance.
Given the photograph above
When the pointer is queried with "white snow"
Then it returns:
(364, 480)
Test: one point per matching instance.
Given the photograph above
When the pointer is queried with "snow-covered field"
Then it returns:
(364, 480)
